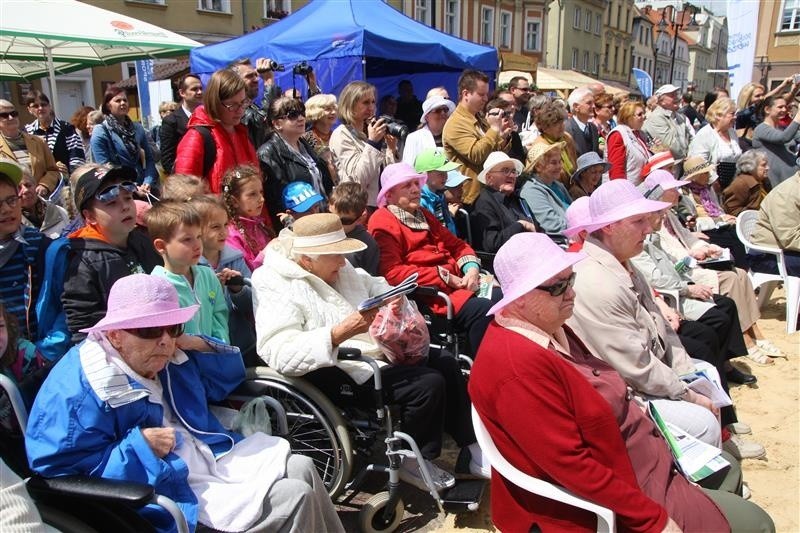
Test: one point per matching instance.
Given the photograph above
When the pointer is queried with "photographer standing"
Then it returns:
(362, 144)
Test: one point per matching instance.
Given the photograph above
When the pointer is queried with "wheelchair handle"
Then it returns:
(354, 354)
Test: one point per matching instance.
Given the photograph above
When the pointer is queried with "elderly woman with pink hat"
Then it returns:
(131, 403)
(499, 211)
(582, 429)
(412, 240)
(435, 112)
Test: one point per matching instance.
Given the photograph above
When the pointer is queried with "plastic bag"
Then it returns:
(401, 332)
(252, 418)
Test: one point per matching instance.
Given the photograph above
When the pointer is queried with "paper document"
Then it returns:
(724, 256)
(485, 290)
(408, 285)
(701, 383)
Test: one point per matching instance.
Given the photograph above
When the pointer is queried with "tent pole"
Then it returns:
(364, 68)
(48, 51)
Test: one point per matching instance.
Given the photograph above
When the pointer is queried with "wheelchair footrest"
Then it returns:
(464, 496)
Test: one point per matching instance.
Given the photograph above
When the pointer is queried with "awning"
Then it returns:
(548, 79)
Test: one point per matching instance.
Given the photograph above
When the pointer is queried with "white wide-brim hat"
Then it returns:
(497, 158)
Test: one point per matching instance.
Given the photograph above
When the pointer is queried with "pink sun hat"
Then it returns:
(395, 174)
(616, 200)
(578, 216)
(142, 301)
(659, 181)
(518, 275)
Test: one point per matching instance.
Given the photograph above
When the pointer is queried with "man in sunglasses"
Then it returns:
(132, 403)
(107, 248)
(520, 89)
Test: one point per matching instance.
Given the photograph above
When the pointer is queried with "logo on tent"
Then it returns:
(120, 25)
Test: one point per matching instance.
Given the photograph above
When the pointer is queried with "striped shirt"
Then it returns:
(63, 140)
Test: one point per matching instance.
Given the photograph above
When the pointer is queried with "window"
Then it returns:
(598, 24)
(647, 37)
(221, 6)
(586, 61)
(587, 23)
(575, 59)
(790, 16)
(487, 25)
(627, 18)
(616, 58)
(533, 34)
(452, 17)
(576, 21)
(422, 11)
(596, 68)
(619, 13)
(605, 58)
(277, 9)
(505, 29)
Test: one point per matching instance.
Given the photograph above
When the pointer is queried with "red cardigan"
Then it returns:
(404, 251)
(561, 422)
(232, 150)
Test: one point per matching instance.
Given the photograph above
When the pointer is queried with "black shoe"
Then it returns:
(735, 375)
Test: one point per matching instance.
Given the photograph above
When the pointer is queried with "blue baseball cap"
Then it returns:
(300, 196)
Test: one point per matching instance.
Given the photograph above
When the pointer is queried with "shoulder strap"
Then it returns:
(209, 148)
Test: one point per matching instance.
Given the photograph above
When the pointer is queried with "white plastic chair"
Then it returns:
(745, 223)
(606, 521)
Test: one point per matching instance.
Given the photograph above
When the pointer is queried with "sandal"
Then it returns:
(768, 348)
(758, 357)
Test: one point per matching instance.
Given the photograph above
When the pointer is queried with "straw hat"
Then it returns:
(494, 159)
(142, 301)
(323, 234)
(617, 200)
(395, 174)
(695, 165)
(659, 160)
(537, 151)
(518, 275)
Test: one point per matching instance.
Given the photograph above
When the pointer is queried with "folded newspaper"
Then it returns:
(696, 459)
(725, 255)
(408, 285)
(704, 384)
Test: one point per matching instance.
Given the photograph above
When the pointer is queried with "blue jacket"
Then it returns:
(90, 423)
(107, 147)
(436, 204)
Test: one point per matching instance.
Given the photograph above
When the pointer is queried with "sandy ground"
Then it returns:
(771, 408)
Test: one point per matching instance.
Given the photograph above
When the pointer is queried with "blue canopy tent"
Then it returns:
(347, 40)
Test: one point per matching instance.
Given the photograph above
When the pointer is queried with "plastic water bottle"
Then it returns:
(685, 264)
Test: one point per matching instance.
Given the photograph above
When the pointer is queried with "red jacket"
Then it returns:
(405, 251)
(573, 424)
(232, 150)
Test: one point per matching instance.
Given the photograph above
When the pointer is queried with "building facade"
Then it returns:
(575, 31)
(618, 42)
(643, 44)
(777, 42)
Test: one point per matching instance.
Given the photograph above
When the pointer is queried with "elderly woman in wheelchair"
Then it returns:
(131, 403)
(306, 297)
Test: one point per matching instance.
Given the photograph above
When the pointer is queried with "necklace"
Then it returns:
(324, 137)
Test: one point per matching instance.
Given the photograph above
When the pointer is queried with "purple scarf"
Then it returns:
(706, 199)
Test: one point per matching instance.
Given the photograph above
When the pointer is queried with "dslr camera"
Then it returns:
(302, 69)
(273, 66)
(394, 127)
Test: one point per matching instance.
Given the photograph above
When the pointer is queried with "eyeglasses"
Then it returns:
(155, 332)
(523, 89)
(292, 115)
(606, 107)
(9, 114)
(499, 113)
(560, 287)
(444, 109)
(640, 114)
(113, 192)
(10, 201)
(237, 107)
(505, 171)
(37, 106)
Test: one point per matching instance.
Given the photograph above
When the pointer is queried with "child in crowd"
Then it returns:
(348, 201)
(300, 199)
(183, 187)
(434, 164)
(228, 263)
(176, 230)
(38, 213)
(248, 229)
(106, 248)
(18, 356)
(22, 251)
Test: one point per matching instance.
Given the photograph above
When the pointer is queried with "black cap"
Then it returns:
(93, 180)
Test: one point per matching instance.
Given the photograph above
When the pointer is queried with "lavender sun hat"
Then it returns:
(617, 200)
(659, 181)
(142, 301)
(395, 174)
(578, 216)
(518, 275)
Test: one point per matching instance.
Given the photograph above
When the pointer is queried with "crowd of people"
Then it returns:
(588, 247)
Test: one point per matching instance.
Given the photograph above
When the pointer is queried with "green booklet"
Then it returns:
(696, 459)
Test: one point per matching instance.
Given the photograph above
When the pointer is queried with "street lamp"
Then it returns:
(676, 26)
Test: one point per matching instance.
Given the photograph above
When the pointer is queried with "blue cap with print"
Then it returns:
(300, 196)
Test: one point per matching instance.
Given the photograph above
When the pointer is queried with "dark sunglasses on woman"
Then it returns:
(155, 332)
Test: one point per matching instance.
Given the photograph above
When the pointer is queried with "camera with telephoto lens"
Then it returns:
(302, 69)
(394, 127)
(273, 66)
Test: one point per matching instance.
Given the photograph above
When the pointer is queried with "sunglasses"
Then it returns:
(9, 114)
(113, 192)
(237, 107)
(560, 287)
(292, 115)
(499, 113)
(11, 201)
(346, 221)
(505, 171)
(440, 110)
(523, 89)
(155, 332)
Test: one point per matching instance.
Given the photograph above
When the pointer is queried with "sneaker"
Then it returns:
(745, 491)
(768, 348)
(758, 357)
(743, 449)
(472, 461)
(739, 428)
(411, 474)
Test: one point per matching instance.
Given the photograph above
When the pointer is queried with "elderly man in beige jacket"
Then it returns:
(617, 317)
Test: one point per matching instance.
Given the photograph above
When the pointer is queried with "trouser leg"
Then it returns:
(725, 237)
(728, 327)
(695, 420)
(472, 317)
(742, 515)
(737, 286)
(457, 416)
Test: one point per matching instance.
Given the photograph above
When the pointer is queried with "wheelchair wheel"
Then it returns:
(370, 518)
(316, 428)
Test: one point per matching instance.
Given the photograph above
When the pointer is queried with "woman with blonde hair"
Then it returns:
(550, 122)
(361, 145)
(626, 145)
(717, 142)
(321, 110)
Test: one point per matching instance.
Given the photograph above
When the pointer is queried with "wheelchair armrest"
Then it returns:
(425, 290)
(349, 354)
(131, 494)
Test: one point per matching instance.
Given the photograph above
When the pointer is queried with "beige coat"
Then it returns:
(43, 164)
(359, 161)
(617, 318)
(778, 222)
